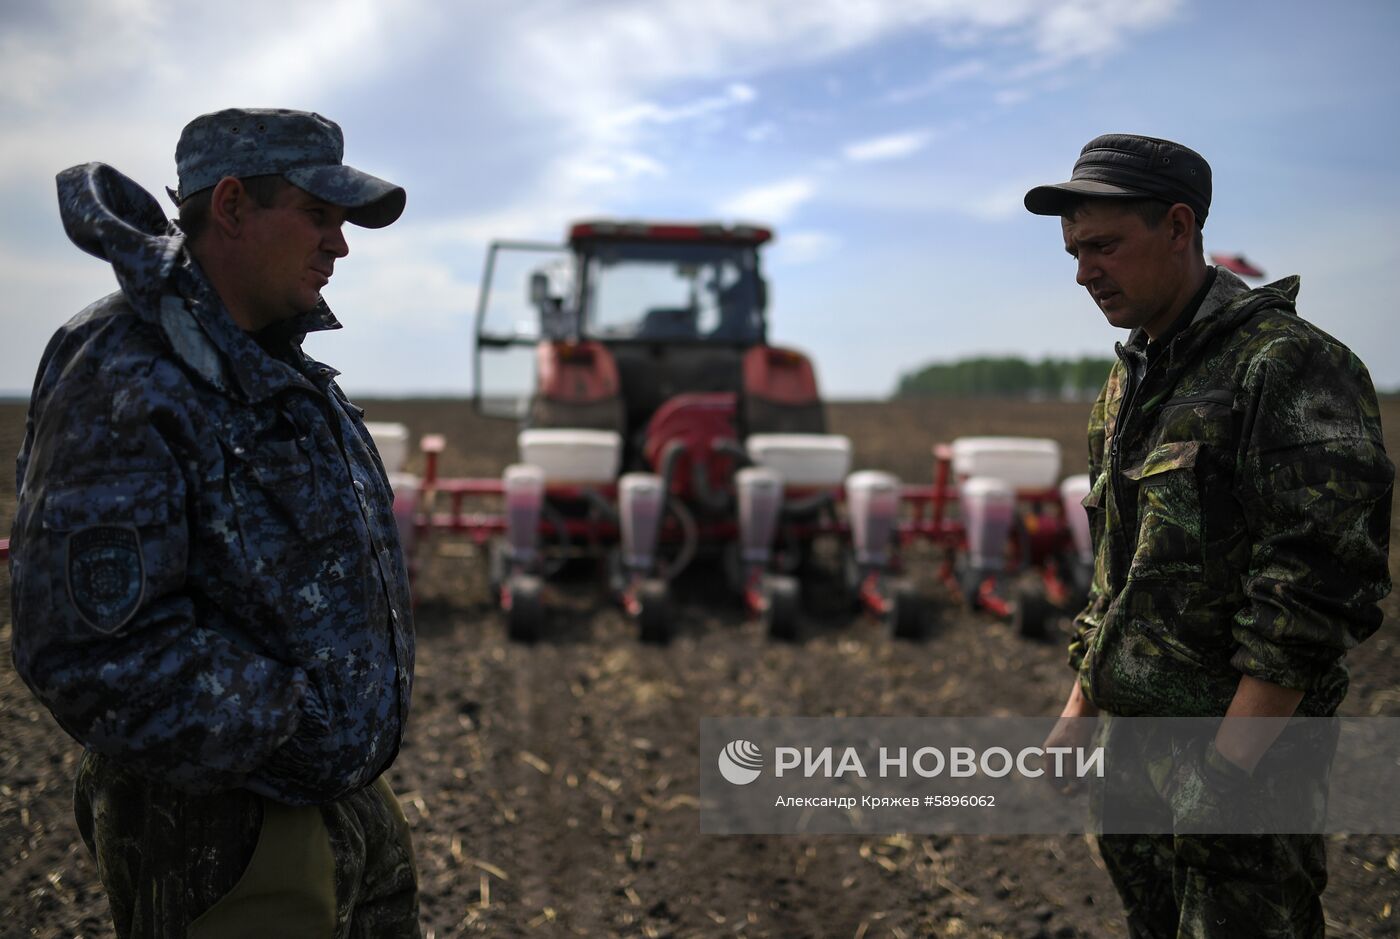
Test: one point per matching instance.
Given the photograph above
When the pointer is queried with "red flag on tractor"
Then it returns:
(1237, 264)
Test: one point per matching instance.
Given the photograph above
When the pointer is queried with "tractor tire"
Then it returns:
(654, 618)
(526, 616)
(908, 613)
(1031, 611)
(782, 598)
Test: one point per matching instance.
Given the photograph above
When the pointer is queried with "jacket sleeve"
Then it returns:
(1086, 623)
(107, 631)
(1088, 619)
(1315, 486)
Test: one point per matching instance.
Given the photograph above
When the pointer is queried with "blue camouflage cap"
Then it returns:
(305, 149)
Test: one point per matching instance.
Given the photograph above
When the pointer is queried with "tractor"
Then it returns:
(659, 425)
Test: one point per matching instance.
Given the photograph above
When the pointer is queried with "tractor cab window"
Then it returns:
(673, 292)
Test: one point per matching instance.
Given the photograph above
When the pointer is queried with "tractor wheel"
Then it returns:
(1030, 611)
(654, 617)
(908, 615)
(781, 602)
(525, 618)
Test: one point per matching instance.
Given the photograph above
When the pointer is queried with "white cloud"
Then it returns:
(943, 78)
(996, 203)
(125, 76)
(596, 65)
(741, 93)
(615, 167)
(1080, 28)
(803, 247)
(386, 284)
(184, 53)
(761, 132)
(581, 93)
(646, 112)
(889, 147)
(37, 67)
(773, 204)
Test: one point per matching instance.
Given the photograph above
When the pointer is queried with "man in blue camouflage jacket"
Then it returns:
(1241, 519)
(209, 592)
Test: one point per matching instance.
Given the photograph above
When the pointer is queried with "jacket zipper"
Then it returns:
(1168, 643)
(1120, 424)
(1225, 400)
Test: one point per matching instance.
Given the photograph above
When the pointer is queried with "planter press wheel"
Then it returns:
(497, 568)
(654, 618)
(781, 596)
(1030, 611)
(525, 618)
(907, 617)
(851, 577)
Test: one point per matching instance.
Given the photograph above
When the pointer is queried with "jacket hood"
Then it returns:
(1228, 295)
(111, 217)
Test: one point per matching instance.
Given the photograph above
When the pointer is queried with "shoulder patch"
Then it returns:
(106, 575)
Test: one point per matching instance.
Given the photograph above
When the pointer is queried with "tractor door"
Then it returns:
(526, 297)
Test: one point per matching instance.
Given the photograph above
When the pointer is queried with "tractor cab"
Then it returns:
(634, 328)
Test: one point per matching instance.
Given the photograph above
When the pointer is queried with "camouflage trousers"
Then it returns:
(1226, 886)
(176, 864)
(1200, 885)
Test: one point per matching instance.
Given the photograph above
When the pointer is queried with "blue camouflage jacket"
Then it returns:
(206, 576)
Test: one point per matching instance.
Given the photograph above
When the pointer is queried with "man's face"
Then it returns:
(1130, 269)
(290, 252)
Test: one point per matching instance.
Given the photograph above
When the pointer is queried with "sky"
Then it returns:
(889, 144)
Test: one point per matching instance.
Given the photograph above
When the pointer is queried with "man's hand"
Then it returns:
(1210, 787)
(1209, 794)
(1075, 729)
(1267, 708)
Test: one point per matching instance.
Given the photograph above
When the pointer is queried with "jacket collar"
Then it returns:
(257, 374)
(1226, 297)
(1228, 304)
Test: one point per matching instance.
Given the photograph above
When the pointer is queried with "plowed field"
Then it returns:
(552, 787)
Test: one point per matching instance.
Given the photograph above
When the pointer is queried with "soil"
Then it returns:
(552, 788)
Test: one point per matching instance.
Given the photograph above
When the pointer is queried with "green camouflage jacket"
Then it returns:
(1240, 512)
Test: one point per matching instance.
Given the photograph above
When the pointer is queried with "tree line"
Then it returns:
(1007, 377)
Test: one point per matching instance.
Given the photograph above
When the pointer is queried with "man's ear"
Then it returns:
(1182, 221)
(228, 205)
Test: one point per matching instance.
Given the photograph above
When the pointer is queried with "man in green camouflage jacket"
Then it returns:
(1241, 514)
